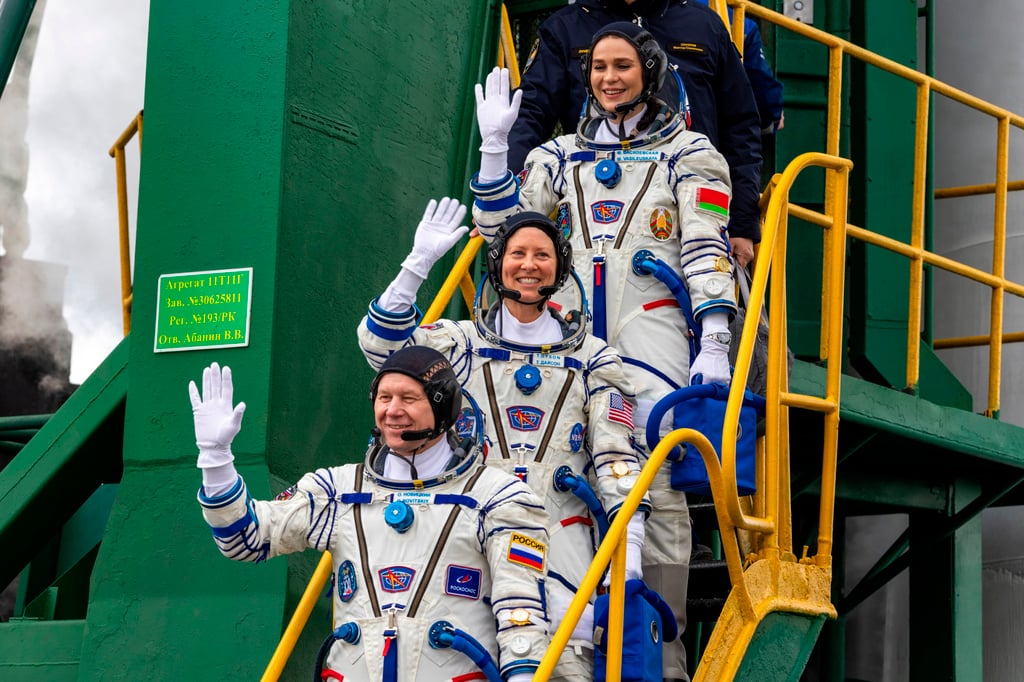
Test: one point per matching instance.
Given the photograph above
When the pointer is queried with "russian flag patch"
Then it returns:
(526, 551)
(712, 201)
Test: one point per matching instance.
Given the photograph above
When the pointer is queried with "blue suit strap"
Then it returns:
(600, 319)
(493, 353)
(390, 654)
(462, 500)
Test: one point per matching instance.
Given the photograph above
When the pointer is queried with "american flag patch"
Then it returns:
(620, 410)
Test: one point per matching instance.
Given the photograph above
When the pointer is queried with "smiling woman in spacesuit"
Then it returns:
(632, 186)
(427, 542)
(555, 397)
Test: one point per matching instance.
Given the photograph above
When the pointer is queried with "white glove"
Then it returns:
(634, 548)
(216, 422)
(713, 359)
(495, 115)
(435, 235)
(521, 677)
(558, 604)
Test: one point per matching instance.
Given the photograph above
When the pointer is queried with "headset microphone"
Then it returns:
(421, 434)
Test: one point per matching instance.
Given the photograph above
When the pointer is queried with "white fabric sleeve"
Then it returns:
(218, 480)
(401, 293)
(493, 165)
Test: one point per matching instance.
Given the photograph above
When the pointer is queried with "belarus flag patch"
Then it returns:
(712, 201)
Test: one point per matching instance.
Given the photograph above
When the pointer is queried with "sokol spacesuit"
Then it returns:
(632, 183)
(556, 397)
(425, 539)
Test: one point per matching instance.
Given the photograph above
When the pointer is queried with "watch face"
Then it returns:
(620, 469)
(519, 617)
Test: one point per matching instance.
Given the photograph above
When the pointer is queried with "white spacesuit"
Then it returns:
(623, 198)
(461, 549)
(561, 403)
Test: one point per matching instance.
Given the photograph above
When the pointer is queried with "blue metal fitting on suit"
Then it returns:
(527, 379)
(348, 632)
(643, 262)
(399, 516)
(608, 173)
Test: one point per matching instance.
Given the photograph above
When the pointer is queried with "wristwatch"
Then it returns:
(721, 337)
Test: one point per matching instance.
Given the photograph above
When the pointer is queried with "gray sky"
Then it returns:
(86, 86)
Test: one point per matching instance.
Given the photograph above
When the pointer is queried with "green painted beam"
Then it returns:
(14, 18)
(944, 428)
(21, 640)
(946, 597)
(780, 647)
(76, 451)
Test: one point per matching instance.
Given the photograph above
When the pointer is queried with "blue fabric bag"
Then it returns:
(702, 407)
(647, 622)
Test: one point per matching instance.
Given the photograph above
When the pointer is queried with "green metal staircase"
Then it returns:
(264, 150)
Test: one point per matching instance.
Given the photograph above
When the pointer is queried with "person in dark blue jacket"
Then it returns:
(722, 103)
(767, 88)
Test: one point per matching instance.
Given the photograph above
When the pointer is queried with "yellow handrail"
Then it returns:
(926, 86)
(773, 495)
(117, 152)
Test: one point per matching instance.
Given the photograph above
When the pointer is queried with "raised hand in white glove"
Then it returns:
(711, 366)
(436, 234)
(216, 421)
(495, 113)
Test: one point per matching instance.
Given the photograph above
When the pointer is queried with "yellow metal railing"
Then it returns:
(771, 517)
(919, 257)
(117, 152)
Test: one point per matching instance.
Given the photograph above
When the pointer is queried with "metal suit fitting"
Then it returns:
(643, 262)
(527, 378)
(608, 173)
(399, 516)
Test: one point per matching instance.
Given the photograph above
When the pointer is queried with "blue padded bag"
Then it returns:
(648, 621)
(702, 407)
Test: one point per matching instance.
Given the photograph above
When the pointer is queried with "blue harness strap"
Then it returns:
(390, 654)
(600, 324)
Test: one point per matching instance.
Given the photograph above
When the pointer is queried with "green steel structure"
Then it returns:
(299, 140)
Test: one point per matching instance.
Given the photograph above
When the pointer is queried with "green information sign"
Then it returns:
(208, 309)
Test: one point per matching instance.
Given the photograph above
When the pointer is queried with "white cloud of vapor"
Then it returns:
(87, 85)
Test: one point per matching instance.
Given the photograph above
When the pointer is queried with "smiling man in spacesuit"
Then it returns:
(556, 397)
(426, 540)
